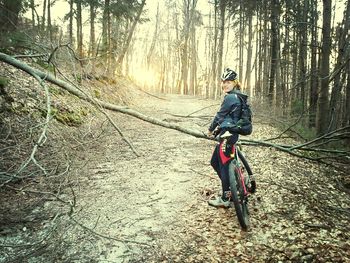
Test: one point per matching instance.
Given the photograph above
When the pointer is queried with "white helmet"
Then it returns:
(228, 74)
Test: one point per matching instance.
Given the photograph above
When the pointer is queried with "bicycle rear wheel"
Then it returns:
(240, 201)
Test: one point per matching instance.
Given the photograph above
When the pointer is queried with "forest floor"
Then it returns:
(116, 207)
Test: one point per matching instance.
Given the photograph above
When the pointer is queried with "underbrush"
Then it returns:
(332, 149)
(38, 164)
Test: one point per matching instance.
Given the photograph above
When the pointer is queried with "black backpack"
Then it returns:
(244, 125)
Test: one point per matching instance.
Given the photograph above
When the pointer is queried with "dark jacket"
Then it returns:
(229, 112)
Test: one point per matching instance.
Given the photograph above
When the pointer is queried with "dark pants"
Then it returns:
(221, 170)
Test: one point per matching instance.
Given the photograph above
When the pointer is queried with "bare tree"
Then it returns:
(188, 14)
(222, 10)
(335, 104)
(79, 28)
(93, 7)
(322, 110)
(313, 96)
(274, 49)
(70, 26)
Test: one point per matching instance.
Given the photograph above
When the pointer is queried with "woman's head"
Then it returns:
(229, 80)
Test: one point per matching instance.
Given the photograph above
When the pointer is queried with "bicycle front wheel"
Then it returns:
(240, 201)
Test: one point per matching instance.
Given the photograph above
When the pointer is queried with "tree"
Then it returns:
(346, 118)
(346, 115)
(335, 104)
(70, 15)
(313, 96)
(214, 72)
(197, 20)
(93, 5)
(302, 59)
(188, 10)
(250, 9)
(222, 9)
(43, 21)
(9, 14)
(274, 49)
(32, 7)
(49, 25)
(323, 109)
(79, 28)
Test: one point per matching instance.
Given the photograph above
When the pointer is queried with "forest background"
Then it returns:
(293, 55)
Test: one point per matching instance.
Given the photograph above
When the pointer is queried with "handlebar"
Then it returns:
(219, 137)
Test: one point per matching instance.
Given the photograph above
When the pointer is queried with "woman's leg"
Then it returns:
(215, 161)
(225, 181)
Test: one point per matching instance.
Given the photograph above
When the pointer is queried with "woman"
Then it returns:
(226, 118)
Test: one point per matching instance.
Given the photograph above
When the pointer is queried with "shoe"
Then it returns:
(218, 202)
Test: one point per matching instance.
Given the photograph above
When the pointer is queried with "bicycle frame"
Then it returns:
(241, 176)
(230, 155)
(233, 157)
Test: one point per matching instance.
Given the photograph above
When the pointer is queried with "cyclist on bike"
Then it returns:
(226, 117)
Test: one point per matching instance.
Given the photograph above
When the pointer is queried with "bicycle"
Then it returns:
(240, 185)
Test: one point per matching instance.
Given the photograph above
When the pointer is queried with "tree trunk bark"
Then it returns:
(346, 119)
(346, 113)
(222, 8)
(32, 7)
(266, 55)
(49, 26)
(343, 53)
(274, 51)
(258, 70)
(44, 19)
(241, 38)
(92, 49)
(105, 33)
(303, 55)
(249, 55)
(313, 97)
(79, 30)
(323, 110)
(70, 26)
(285, 67)
(193, 64)
(213, 85)
(184, 47)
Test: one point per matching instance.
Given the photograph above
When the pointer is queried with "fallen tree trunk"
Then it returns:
(125, 110)
(73, 90)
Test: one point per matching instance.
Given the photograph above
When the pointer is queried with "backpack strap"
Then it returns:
(235, 108)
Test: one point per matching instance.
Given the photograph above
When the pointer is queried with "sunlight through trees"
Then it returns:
(292, 56)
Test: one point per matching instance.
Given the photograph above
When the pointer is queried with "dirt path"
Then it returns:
(154, 208)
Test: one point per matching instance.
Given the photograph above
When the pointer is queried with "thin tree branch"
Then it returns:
(216, 104)
(42, 137)
(319, 138)
(287, 129)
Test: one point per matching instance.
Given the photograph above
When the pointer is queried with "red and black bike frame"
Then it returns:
(228, 154)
